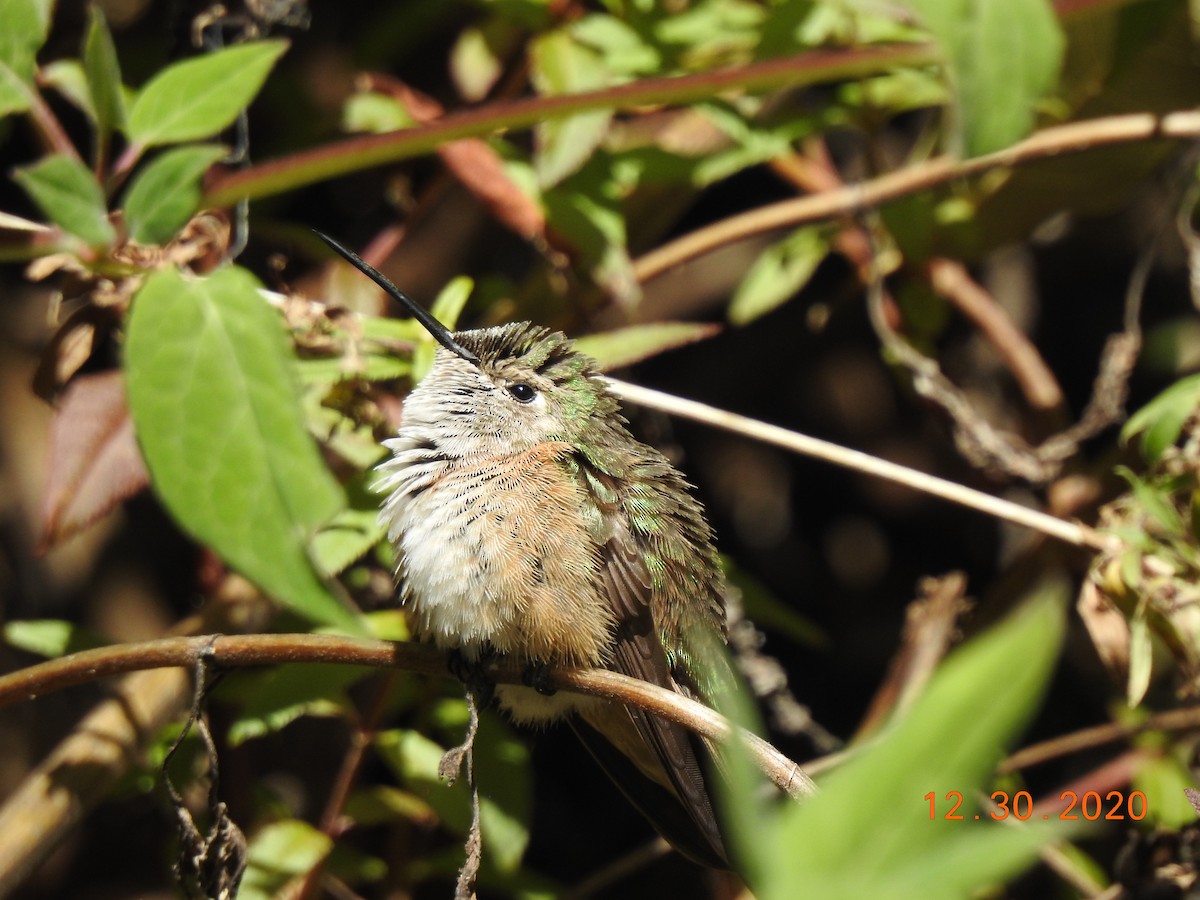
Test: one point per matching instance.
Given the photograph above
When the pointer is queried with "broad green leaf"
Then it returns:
(1003, 58)
(198, 97)
(48, 637)
(949, 741)
(68, 193)
(103, 74)
(68, 78)
(279, 852)
(626, 346)
(561, 65)
(1162, 419)
(23, 28)
(165, 194)
(501, 771)
(778, 274)
(218, 417)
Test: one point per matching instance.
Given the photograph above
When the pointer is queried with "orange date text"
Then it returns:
(1115, 806)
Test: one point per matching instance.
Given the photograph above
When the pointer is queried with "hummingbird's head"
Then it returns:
(527, 385)
(501, 389)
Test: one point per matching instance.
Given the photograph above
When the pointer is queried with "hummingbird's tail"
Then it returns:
(688, 822)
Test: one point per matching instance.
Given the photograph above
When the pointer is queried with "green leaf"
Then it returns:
(279, 852)
(68, 193)
(349, 535)
(1162, 419)
(376, 113)
(625, 51)
(198, 97)
(1155, 500)
(165, 194)
(1163, 780)
(448, 305)
(218, 416)
(271, 700)
(501, 771)
(778, 274)
(25, 26)
(68, 78)
(950, 741)
(381, 804)
(561, 65)
(1003, 58)
(1141, 657)
(103, 74)
(51, 638)
(626, 346)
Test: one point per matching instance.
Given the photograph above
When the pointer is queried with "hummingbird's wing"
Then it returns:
(656, 763)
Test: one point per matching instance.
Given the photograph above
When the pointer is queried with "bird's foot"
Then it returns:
(473, 673)
(537, 676)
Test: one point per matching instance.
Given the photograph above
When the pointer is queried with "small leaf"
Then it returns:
(778, 274)
(68, 78)
(374, 112)
(634, 343)
(1141, 658)
(625, 51)
(594, 228)
(481, 171)
(94, 459)
(50, 638)
(477, 58)
(381, 804)
(68, 193)
(198, 97)
(103, 74)
(501, 771)
(1163, 780)
(270, 701)
(1162, 419)
(166, 193)
(561, 65)
(351, 534)
(278, 853)
(450, 301)
(25, 26)
(218, 415)
(1003, 58)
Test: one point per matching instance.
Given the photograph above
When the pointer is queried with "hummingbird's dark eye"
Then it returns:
(522, 392)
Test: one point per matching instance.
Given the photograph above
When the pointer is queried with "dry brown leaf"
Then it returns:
(476, 165)
(94, 459)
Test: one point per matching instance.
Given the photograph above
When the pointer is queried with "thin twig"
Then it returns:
(1187, 719)
(950, 279)
(1074, 137)
(1074, 533)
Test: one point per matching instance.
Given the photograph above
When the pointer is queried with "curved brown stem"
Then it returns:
(270, 649)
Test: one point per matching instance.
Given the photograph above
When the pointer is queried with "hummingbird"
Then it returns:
(529, 523)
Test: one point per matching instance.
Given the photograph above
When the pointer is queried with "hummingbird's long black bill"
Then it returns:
(440, 333)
